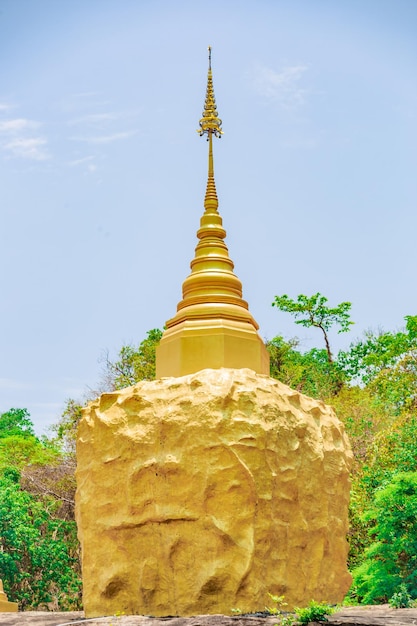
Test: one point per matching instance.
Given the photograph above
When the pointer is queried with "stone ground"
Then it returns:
(349, 616)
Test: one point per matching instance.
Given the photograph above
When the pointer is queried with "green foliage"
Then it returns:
(314, 612)
(378, 351)
(311, 311)
(12, 474)
(310, 372)
(390, 450)
(134, 364)
(396, 387)
(287, 620)
(401, 598)
(40, 465)
(21, 451)
(38, 554)
(387, 364)
(391, 559)
(279, 604)
(66, 428)
(16, 422)
(363, 418)
(394, 450)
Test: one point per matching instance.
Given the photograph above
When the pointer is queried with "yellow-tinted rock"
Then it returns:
(201, 494)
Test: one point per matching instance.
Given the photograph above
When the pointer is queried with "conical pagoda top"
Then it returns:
(212, 327)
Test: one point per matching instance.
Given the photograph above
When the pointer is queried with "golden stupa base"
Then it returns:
(194, 345)
(8, 607)
(5, 605)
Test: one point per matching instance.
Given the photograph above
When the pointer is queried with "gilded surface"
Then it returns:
(210, 123)
(201, 494)
(213, 326)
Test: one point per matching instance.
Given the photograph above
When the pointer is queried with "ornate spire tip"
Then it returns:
(210, 123)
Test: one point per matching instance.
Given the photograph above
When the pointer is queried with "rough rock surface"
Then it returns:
(346, 616)
(203, 493)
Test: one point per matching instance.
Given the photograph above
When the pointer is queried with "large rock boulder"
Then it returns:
(203, 493)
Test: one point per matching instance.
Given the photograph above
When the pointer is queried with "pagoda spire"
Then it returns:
(210, 124)
(213, 326)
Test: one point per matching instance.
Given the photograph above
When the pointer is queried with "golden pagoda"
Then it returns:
(213, 327)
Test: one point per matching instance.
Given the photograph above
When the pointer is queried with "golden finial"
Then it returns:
(210, 123)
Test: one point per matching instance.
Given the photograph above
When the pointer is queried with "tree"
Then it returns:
(21, 451)
(363, 419)
(39, 559)
(390, 448)
(310, 372)
(16, 422)
(19, 447)
(45, 469)
(314, 313)
(386, 362)
(393, 450)
(391, 559)
(66, 427)
(54, 485)
(379, 351)
(133, 364)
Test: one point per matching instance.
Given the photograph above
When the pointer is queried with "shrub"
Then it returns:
(401, 599)
(391, 559)
(314, 612)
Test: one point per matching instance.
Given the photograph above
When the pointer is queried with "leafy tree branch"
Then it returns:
(311, 311)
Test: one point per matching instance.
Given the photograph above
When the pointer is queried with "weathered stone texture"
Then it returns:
(203, 493)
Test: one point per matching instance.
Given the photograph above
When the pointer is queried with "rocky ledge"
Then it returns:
(349, 616)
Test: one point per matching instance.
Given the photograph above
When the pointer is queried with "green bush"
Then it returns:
(401, 599)
(314, 612)
(38, 554)
(391, 559)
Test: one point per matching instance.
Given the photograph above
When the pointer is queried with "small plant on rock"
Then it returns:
(279, 601)
(401, 599)
(314, 612)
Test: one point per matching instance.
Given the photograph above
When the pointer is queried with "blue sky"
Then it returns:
(102, 174)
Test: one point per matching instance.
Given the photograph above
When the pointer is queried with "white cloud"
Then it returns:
(28, 148)
(94, 118)
(5, 107)
(17, 125)
(81, 161)
(283, 87)
(106, 138)
(19, 140)
(87, 161)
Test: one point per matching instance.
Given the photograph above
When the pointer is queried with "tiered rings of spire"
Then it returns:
(212, 327)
